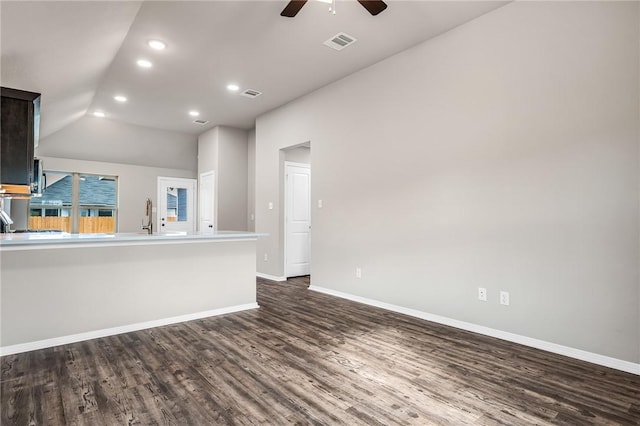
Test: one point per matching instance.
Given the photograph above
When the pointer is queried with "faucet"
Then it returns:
(148, 210)
(5, 219)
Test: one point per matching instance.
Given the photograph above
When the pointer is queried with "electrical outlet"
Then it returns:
(319, 204)
(266, 258)
(358, 272)
(504, 298)
(482, 294)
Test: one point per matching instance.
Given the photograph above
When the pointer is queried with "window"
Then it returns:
(176, 204)
(77, 203)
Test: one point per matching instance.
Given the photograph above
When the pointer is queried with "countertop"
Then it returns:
(44, 240)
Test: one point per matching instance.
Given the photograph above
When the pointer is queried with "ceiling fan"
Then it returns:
(373, 6)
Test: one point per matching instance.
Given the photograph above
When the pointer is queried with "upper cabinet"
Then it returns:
(19, 127)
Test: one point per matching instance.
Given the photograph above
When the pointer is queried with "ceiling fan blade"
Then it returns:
(292, 8)
(373, 6)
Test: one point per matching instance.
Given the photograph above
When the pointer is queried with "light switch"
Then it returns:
(319, 204)
(270, 206)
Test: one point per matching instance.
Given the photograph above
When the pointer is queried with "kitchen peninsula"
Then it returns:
(61, 288)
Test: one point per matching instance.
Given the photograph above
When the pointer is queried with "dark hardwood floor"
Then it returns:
(309, 358)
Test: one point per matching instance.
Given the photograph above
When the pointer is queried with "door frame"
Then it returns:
(194, 202)
(286, 205)
(213, 200)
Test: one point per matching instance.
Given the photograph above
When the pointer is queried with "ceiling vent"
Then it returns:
(201, 122)
(340, 41)
(250, 93)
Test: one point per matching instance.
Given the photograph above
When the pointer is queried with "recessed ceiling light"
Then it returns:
(233, 87)
(194, 113)
(157, 44)
(144, 63)
(99, 114)
(120, 98)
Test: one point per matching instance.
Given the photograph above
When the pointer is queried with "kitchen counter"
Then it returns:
(48, 240)
(60, 288)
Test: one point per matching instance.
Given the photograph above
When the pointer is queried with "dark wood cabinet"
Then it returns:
(19, 124)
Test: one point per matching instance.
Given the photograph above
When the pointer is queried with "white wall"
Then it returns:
(502, 154)
(78, 292)
(136, 154)
(233, 179)
(101, 139)
(298, 154)
(135, 185)
(251, 180)
(225, 151)
(208, 151)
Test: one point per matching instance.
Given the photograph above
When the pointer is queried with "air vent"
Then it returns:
(201, 122)
(340, 41)
(250, 93)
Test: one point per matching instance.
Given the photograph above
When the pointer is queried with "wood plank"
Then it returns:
(86, 224)
(310, 358)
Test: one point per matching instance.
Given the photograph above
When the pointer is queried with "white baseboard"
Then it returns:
(270, 277)
(594, 358)
(64, 340)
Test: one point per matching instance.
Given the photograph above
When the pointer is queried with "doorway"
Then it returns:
(297, 221)
(176, 204)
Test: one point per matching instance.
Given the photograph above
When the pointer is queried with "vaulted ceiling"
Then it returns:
(80, 54)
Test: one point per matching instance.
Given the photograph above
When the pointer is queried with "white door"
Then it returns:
(297, 219)
(206, 202)
(176, 205)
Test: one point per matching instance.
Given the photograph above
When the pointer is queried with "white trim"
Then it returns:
(153, 240)
(192, 208)
(295, 164)
(270, 277)
(288, 164)
(213, 202)
(73, 338)
(618, 364)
